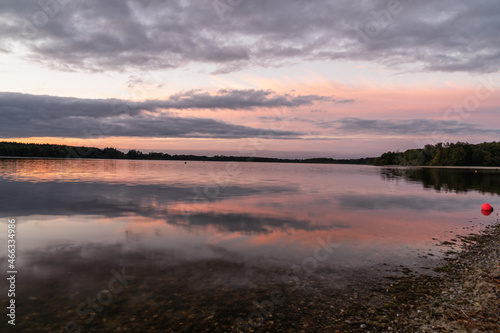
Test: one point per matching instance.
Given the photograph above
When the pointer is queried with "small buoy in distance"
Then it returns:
(487, 207)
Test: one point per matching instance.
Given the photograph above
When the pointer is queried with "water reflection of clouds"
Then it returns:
(247, 209)
(406, 202)
(112, 200)
(93, 261)
(264, 212)
(151, 201)
(245, 222)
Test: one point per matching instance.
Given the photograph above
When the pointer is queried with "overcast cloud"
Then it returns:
(352, 125)
(25, 116)
(92, 35)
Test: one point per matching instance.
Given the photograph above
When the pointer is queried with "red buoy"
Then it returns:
(487, 207)
(486, 212)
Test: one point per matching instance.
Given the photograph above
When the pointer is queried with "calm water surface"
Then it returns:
(218, 226)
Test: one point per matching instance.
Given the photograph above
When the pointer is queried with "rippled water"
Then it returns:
(216, 225)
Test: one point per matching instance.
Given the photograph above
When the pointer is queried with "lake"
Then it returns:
(169, 246)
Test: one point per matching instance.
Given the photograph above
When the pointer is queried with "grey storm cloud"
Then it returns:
(92, 35)
(24, 115)
(240, 99)
(352, 125)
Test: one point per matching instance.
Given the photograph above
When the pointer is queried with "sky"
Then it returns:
(280, 78)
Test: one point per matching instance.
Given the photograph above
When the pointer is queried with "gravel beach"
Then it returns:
(464, 298)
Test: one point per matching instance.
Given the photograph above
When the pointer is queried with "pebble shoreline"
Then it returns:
(465, 298)
(461, 295)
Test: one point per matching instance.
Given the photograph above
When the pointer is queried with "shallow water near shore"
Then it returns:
(154, 246)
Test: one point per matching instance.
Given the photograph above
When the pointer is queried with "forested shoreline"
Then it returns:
(13, 149)
(441, 154)
(447, 154)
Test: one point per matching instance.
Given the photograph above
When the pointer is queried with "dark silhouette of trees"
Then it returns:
(448, 154)
(13, 149)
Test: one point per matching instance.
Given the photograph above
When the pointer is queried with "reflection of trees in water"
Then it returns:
(445, 179)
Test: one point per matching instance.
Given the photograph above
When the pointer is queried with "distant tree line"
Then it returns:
(447, 154)
(13, 149)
